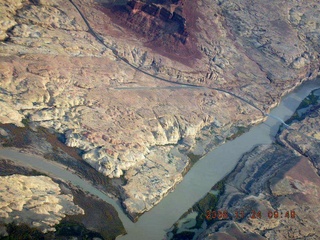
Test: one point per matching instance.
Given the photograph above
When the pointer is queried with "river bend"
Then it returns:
(197, 182)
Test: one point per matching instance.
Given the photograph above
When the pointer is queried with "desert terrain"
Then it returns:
(273, 191)
(139, 90)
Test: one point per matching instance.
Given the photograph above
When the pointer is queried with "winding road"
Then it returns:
(197, 182)
(115, 52)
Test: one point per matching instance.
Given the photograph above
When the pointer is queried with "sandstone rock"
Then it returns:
(300, 62)
(35, 201)
(277, 178)
(6, 16)
(3, 132)
(10, 115)
(159, 171)
(269, 179)
(54, 72)
(304, 139)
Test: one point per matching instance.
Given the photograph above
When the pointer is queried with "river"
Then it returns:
(197, 182)
(59, 171)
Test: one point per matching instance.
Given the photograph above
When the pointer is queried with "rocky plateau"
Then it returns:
(94, 71)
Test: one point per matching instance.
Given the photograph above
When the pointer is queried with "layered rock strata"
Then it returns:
(162, 23)
(55, 74)
(280, 182)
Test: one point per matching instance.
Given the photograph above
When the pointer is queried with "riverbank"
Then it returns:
(227, 207)
(65, 73)
(51, 146)
(42, 165)
(273, 192)
(211, 168)
(78, 226)
(214, 167)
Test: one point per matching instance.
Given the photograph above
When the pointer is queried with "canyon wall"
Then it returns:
(56, 74)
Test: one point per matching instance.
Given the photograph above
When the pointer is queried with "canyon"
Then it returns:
(56, 75)
(281, 182)
(42, 200)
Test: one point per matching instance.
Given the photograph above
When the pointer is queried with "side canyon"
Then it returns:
(142, 132)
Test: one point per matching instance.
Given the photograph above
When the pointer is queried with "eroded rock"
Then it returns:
(57, 75)
(34, 200)
(281, 182)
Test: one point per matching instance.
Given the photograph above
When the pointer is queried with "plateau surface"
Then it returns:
(94, 71)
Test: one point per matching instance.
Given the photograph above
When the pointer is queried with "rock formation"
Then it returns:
(56, 74)
(159, 23)
(281, 182)
(34, 200)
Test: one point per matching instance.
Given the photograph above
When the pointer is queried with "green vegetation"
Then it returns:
(25, 122)
(208, 202)
(193, 158)
(240, 130)
(310, 101)
(219, 186)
